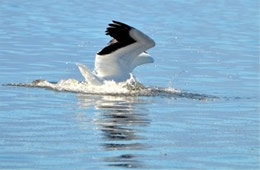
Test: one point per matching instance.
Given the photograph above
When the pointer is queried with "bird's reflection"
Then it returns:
(121, 120)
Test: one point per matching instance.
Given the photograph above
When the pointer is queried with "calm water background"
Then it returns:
(206, 47)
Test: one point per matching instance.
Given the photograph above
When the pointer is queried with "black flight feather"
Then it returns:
(120, 32)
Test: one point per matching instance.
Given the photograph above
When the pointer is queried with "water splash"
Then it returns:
(131, 87)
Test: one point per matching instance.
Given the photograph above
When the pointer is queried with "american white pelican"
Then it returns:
(123, 53)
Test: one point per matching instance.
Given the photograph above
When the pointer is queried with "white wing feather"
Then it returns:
(120, 63)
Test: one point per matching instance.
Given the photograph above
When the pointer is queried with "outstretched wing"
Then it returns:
(118, 58)
(120, 32)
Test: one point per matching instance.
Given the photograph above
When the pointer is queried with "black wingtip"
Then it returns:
(120, 34)
(114, 21)
(121, 24)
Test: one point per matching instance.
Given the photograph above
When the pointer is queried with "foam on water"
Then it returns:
(131, 87)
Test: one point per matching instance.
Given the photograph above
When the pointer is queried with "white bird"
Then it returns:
(123, 53)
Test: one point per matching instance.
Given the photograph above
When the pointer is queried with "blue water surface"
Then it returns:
(203, 47)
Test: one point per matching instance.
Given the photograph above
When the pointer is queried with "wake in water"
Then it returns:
(131, 87)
